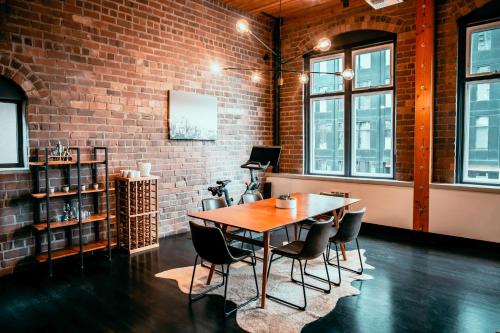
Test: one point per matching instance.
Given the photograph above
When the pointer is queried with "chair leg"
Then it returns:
(292, 305)
(327, 280)
(338, 265)
(287, 235)
(204, 293)
(270, 264)
(209, 266)
(244, 235)
(229, 313)
(359, 272)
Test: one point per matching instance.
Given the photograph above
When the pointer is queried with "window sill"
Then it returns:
(14, 170)
(466, 187)
(370, 181)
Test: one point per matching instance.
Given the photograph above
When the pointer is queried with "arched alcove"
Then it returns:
(14, 147)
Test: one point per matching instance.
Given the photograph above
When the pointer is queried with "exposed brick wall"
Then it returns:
(98, 73)
(300, 35)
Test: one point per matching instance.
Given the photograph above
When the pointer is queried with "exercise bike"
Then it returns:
(252, 186)
(261, 158)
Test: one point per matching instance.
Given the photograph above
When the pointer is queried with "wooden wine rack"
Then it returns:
(137, 213)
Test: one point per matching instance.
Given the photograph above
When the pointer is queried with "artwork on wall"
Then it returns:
(192, 116)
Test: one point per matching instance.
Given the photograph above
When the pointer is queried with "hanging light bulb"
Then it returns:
(303, 78)
(215, 68)
(255, 77)
(324, 44)
(347, 74)
(242, 26)
(281, 81)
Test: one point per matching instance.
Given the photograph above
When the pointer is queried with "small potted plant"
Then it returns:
(286, 201)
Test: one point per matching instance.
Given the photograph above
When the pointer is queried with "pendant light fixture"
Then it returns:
(324, 44)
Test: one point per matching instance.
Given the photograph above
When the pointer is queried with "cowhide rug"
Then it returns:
(276, 317)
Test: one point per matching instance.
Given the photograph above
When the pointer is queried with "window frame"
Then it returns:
(371, 49)
(348, 93)
(21, 137)
(354, 146)
(465, 30)
(312, 140)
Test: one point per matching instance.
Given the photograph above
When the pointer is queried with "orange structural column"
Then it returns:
(424, 105)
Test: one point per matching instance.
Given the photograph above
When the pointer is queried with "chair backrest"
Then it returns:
(210, 244)
(213, 203)
(336, 194)
(251, 197)
(350, 226)
(317, 239)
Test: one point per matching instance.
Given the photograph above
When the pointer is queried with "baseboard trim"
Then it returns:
(428, 238)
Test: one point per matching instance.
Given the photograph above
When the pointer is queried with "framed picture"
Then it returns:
(192, 116)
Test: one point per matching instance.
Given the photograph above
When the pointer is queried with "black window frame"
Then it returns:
(484, 16)
(348, 93)
(18, 98)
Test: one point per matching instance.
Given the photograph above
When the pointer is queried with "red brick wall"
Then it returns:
(98, 73)
(300, 35)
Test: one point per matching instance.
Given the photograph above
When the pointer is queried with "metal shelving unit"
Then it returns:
(47, 226)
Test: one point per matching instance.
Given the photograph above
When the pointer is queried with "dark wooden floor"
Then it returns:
(417, 288)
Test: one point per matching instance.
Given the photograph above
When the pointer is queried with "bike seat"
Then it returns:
(223, 182)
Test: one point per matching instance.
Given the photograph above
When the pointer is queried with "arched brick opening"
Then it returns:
(21, 73)
(360, 22)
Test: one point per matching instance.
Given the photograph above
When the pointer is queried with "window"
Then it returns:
(351, 124)
(13, 150)
(482, 124)
(478, 157)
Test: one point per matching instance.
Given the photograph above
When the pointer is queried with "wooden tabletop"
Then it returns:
(263, 216)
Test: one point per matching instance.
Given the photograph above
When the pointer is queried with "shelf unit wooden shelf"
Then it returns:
(46, 225)
(74, 250)
(55, 225)
(137, 213)
(70, 193)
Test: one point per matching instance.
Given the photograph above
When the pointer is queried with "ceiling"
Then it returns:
(290, 8)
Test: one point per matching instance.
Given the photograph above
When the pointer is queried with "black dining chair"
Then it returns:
(313, 247)
(211, 246)
(213, 203)
(307, 223)
(348, 231)
(257, 196)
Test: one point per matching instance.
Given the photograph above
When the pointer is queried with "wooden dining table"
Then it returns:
(263, 217)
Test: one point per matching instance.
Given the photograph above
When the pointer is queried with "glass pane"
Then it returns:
(372, 68)
(327, 139)
(372, 135)
(485, 51)
(326, 83)
(8, 128)
(482, 138)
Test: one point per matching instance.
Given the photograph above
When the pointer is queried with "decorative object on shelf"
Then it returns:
(73, 214)
(192, 116)
(286, 201)
(52, 189)
(137, 213)
(324, 44)
(60, 153)
(67, 212)
(95, 186)
(144, 168)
